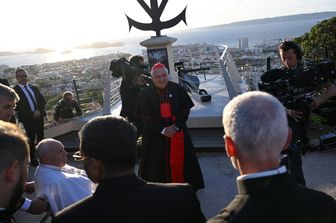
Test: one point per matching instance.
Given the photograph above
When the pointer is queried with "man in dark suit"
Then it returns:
(30, 111)
(256, 131)
(13, 169)
(108, 150)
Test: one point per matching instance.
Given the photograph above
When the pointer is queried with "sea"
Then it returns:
(221, 35)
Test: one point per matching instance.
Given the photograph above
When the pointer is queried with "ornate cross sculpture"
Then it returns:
(155, 13)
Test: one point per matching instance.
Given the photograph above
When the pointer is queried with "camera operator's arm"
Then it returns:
(140, 80)
(329, 91)
(296, 115)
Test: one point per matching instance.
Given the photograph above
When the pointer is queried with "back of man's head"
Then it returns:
(257, 124)
(13, 145)
(112, 140)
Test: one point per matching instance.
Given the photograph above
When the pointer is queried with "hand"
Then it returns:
(38, 206)
(29, 187)
(36, 114)
(140, 80)
(317, 101)
(296, 115)
(170, 131)
(61, 120)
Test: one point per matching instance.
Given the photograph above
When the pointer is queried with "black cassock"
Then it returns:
(154, 165)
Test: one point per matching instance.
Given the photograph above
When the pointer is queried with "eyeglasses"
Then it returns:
(79, 157)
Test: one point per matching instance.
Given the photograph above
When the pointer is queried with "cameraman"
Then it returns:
(291, 56)
(131, 85)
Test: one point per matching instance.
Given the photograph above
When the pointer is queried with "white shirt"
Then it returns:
(31, 103)
(280, 170)
(61, 187)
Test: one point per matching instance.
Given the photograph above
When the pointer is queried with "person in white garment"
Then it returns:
(55, 180)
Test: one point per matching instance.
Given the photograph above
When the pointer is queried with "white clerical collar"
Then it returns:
(267, 173)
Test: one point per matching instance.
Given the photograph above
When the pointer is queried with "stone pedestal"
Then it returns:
(159, 49)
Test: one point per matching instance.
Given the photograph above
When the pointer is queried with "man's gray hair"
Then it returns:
(257, 123)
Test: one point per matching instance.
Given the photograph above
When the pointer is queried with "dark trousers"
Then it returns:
(299, 138)
(34, 130)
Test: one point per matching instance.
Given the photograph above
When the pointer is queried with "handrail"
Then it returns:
(223, 62)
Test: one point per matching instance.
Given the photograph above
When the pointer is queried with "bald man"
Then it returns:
(59, 183)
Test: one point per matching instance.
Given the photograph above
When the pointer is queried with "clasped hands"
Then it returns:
(170, 131)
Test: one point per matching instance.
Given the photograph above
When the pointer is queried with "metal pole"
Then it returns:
(76, 91)
(232, 92)
(268, 61)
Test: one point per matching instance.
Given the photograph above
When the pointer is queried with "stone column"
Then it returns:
(159, 49)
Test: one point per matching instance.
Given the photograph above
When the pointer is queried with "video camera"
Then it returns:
(128, 70)
(296, 89)
(191, 83)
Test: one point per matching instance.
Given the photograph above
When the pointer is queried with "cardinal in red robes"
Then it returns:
(167, 153)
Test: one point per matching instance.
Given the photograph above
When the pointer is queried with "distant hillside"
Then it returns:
(98, 45)
(257, 30)
(289, 18)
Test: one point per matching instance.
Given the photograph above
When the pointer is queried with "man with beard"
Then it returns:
(299, 76)
(8, 99)
(65, 108)
(167, 153)
(13, 169)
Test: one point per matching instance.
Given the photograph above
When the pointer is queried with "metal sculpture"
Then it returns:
(155, 13)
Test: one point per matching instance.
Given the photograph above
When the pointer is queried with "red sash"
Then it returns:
(176, 148)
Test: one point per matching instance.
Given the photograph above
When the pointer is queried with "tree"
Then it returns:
(320, 42)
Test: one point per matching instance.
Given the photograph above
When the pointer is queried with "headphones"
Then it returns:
(287, 45)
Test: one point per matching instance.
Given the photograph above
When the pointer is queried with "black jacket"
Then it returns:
(277, 199)
(23, 110)
(130, 199)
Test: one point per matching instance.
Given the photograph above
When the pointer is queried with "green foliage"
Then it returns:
(51, 101)
(320, 42)
(317, 119)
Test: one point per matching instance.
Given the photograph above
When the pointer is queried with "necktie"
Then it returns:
(31, 97)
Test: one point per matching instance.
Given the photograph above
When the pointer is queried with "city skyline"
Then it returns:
(64, 24)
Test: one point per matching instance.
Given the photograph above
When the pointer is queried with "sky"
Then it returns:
(62, 24)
